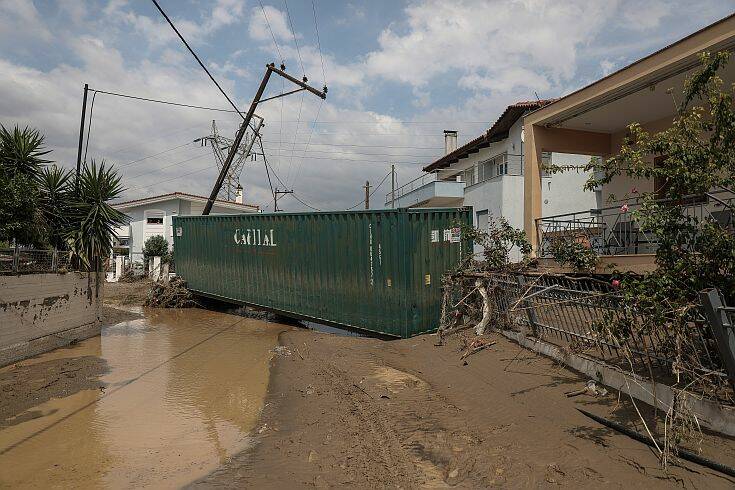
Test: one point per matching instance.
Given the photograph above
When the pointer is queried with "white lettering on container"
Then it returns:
(255, 237)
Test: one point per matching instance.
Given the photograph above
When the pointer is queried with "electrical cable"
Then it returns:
(293, 147)
(154, 155)
(137, 145)
(278, 49)
(368, 146)
(293, 33)
(318, 43)
(169, 166)
(375, 189)
(167, 102)
(152, 184)
(89, 128)
(306, 148)
(302, 202)
(383, 155)
(155, 2)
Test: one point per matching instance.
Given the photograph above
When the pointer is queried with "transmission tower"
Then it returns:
(221, 146)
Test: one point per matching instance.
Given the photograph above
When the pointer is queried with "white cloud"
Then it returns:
(486, 41)
(20, 21)
(642, 16)
(258, 25)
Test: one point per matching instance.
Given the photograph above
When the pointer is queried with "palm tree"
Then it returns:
(91, 218)
(21, 161)
(21, 152)
(55, 196)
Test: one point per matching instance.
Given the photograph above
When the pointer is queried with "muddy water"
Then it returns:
(183, 392)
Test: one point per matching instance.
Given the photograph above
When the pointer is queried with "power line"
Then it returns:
(278, 49)
(318, 43)
(293, 33)
(311, 133)
(169, 166)
(367, 146)
(293, 147)
(305, 204)
(167, 102)
(382, 155)
(169, 180)
(89, 128)
(154, 155)
(366, 161)
(138, 145)
(155, 2)
(375, 189)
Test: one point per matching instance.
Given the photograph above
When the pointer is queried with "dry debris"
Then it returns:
(172, 294)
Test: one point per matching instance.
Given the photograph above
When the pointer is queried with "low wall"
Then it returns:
(40, 312)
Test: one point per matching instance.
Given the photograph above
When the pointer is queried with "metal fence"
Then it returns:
(31, 261)
(571, 313)
(614, 230)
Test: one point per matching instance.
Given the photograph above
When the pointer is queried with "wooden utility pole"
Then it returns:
(367, 194)
(81, 136)
(393, 186)
(276, 196)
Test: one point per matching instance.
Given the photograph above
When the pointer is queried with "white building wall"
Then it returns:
(564, 192)
(502, 196)
(140, 231)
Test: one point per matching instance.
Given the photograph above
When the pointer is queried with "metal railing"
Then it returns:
(31, 261)
(571, 313)
(614, 230)
(412, 185)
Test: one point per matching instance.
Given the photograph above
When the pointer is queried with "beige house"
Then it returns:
(593, 121)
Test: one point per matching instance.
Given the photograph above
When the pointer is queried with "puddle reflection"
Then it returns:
(183, 391)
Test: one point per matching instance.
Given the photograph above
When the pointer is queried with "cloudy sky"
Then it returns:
(398, 74)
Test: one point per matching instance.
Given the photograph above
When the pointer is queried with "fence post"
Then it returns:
(54, 260)
(721, 328)
(15, 256)
(528, 305)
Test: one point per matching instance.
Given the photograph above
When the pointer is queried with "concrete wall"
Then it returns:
(40, 312)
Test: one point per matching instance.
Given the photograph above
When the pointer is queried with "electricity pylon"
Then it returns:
(221, 146)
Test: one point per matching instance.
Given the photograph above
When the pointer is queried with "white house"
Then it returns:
(487, 174)
(151, 216)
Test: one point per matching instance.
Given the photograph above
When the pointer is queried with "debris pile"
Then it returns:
(172, 294)
(130, 276)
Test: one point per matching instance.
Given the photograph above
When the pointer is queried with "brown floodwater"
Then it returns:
(184, 389)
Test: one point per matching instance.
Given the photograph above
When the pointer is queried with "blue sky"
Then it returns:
(398, 74)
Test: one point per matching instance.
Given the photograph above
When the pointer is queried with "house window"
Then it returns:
(154, 221)
(469, 176)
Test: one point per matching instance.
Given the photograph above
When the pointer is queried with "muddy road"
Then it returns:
(366, 413)
(157, 400)
(178, 398)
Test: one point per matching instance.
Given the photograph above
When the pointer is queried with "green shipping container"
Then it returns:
(370, 270)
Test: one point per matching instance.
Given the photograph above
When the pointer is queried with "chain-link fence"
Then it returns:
(31, 261)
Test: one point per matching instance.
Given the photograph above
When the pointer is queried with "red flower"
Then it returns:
(615, 283)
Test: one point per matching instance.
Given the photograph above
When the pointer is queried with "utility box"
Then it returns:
(378, 271)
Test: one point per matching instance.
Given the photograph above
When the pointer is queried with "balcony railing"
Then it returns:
(411, 186)
(614, 230)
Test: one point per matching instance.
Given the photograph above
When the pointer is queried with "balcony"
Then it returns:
(615, 234)
(427, 191)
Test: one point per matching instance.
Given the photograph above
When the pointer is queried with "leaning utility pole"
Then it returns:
(81, 136)
(367, 194)
(271, 68)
